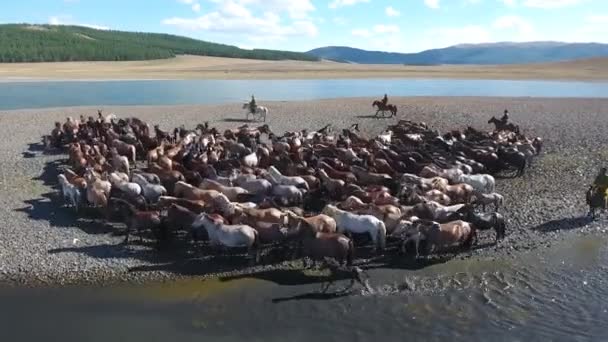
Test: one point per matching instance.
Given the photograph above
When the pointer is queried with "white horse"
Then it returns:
(151, 192)
(71, 194)
(130, 188)
(486, 199)
(260, 112)
(482, 182)
(228, 235)
(441, 212)
(296, 181)
(347, 221)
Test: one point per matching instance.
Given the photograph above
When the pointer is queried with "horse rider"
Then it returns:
(385, 100)
(601, 184)
(353, 273)
(505, 117)
(252, 105)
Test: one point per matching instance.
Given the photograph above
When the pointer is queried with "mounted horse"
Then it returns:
(504, 126)
(257, 114)
(384, 108)
(595, 201)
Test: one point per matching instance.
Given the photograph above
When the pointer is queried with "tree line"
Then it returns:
(46, 43)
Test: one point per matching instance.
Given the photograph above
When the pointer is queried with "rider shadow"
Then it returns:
(369, 117)
(313, 296)
(563, 224)
(281, 277)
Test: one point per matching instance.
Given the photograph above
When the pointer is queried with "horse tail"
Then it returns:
(256, 245)
(129, 206)
(522, 169)
(500, 226)
(382, 235)
(350, 254)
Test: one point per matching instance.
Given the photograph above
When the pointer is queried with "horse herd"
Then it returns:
(321, 194)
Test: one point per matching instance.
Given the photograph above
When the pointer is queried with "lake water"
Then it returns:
(18, 95)
(558, 295)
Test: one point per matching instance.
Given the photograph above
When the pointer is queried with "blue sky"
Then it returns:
(300, 25)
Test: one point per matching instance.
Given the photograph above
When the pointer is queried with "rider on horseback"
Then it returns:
(505, 117)
(385, 100)
(252, 105)
(601, 184)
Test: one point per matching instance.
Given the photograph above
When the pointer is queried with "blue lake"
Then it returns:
(18, 95)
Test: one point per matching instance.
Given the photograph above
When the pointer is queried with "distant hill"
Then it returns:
(46, 43)
(492, 53)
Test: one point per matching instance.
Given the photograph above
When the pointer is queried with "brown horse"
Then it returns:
(318, 246)
(382, 108)
(439, 237)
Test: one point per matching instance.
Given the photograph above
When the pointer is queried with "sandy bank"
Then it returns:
(195, 67)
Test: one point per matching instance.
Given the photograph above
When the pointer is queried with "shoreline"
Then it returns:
(42, 244)
(217, 68)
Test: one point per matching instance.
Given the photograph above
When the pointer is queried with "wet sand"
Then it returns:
(42, 243)
(196, 67)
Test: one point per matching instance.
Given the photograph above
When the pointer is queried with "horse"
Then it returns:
(353, 223)
(151, 192)
(382, 108)
(501, 126)
(486, 199)
(595, 200)
(484, 221)
(483, 183)
(318, 246)
(260, 111)
(439, 237)
(229, 235)
(71, 193)
(320, 223)
(278, 178)
(135, 219)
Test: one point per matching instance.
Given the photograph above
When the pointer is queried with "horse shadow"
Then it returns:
(409, 263)
(563, 224)
(46, 209)
(238, 120)
(39, 147)
(369, 117)
(49, 173)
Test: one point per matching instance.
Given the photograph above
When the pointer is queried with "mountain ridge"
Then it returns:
(485, 53)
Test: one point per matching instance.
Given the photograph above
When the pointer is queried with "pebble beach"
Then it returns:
(42, 243)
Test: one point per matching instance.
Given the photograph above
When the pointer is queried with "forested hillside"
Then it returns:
(46, 43)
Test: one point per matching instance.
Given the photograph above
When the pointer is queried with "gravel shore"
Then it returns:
(43, 243)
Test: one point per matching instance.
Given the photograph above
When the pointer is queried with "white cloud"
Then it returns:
(434, 4)
(545, 4)
(340, 21)
(551, 3)
(525, 30)
(196, 7)
(299, 9)
(235, 18)
(391, 12)
(364, 33)
(342, 3)
(386, 29)
(66, 20)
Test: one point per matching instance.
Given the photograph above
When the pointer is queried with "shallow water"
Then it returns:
(19, 95)
(554, 294)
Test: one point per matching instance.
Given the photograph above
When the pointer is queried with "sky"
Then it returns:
(301, 25)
